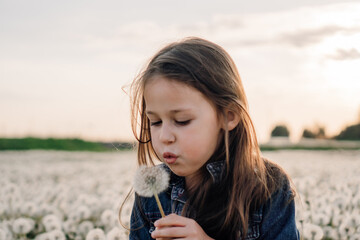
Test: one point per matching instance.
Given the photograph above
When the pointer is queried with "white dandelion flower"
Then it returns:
(29, 208)
(96, 234)
(150, 181)
(69, 226)
(115, 234)
(346, 230)
(51, 222)
(85, 227)
(2, 234)
(22, 226)
(356, 236)
(43, 236)
(83, 212)
(320, 219)
(329, 232)
(108, 218)
(312, 231)
(337, 220)
(57, 235)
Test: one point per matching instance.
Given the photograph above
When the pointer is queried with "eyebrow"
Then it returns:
(172, 111)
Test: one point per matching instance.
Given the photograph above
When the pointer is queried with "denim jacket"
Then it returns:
(275, 220)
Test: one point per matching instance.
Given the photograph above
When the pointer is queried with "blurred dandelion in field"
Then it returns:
(22, 226)
(321, 219)
(346, 230)
(83, 212)
(313, 232)
(96, 234)
(330, 232)
(115, 234)
(57, 235)
(43, 236)
(108, 218)
(356, 236)
(150, 181)
(43, 196)
(51, 222)
(69, 227)
(29, 209)
(85, 227)
(2, 234)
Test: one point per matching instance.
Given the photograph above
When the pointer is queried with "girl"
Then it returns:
(194, 119)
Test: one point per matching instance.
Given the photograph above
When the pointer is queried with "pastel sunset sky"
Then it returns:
(63, 64)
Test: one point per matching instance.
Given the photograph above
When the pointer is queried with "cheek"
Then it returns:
(201, 143)
(154, 140)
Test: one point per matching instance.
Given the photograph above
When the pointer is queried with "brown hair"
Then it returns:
(221, 209)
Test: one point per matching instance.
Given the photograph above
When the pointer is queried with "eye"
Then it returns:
(183, 123)
(155, 123)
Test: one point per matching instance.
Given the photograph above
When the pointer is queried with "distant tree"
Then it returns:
(350, 133)
(317, 133)
(321, 132)
(280, 131)
(308, 134)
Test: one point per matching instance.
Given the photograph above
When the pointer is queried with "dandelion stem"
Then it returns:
(159, 204)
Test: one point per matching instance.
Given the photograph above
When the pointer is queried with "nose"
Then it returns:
(167, 135)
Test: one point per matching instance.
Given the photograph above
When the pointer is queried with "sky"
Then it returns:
(64, 65)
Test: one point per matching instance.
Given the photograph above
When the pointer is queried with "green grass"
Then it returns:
(75, 144)
(68, 144)
(315, 148)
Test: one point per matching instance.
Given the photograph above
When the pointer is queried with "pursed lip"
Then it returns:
(169, 157)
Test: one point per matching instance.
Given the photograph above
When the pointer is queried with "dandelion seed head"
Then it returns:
(43, 236)
(312, 231)
(150, 180)
(57, 235)
(115, 234)
(329, 232)
(51, 222)
(69, 226)
(96, 234)
(83, 212)
(29, 208)
(2, 234)
(356, 236)
(108, 217)
(22, 226)
(85, 227)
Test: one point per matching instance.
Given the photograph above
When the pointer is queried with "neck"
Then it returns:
(191, 182)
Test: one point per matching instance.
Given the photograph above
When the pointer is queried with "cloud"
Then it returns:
(300, 39)
(343, 54)
(305, 37)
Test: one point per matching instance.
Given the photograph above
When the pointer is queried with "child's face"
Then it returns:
(184, 125)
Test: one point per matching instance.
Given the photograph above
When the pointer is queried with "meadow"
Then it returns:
(76, 195)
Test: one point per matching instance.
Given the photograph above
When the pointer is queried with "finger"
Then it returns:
(169, 232)
(171, 220)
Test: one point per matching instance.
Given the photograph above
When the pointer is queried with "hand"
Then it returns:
(178, 227)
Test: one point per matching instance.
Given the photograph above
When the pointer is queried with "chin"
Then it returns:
(176, 172)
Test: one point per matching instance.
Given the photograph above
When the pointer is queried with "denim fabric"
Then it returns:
(275, 220)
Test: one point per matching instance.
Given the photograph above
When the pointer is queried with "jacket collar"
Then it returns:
(177, 184)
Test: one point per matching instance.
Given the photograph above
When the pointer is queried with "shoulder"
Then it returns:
(278, 212)
(278, 181)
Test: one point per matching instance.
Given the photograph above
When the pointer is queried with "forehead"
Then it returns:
(161, 93)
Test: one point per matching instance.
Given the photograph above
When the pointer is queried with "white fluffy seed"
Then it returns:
(150, 180)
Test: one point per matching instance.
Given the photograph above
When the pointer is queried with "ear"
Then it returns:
(231, 119)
